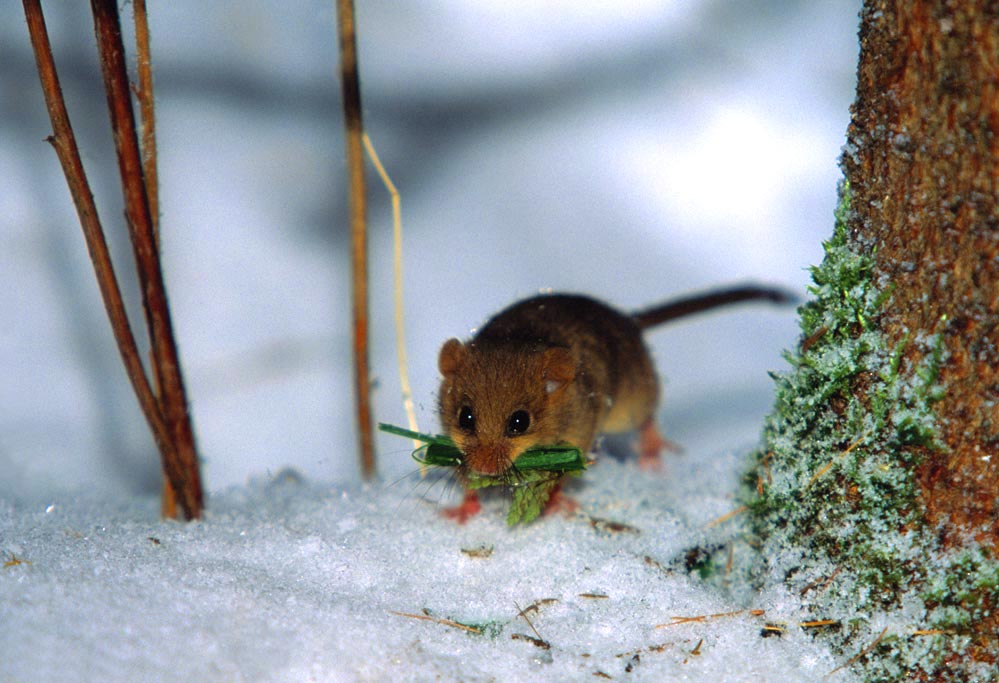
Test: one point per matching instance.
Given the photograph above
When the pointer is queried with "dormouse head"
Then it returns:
(496, 400)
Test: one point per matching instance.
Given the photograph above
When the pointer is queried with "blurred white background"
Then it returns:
(633, 150)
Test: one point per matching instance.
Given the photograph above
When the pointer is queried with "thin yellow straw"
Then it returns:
(400, 334)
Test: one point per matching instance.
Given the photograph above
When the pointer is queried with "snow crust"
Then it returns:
(289, 580)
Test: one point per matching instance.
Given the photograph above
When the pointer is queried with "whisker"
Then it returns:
(435, 475)
(452, 481)
(408, 496)
(395, 482)
(449, 480)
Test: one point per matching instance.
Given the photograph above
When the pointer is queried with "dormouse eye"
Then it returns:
(518, 423)
(466, 420)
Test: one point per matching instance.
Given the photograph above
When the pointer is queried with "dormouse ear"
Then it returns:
(452, 356)
(558, 368)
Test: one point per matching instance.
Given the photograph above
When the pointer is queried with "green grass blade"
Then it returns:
(409, 434)
(551, 458)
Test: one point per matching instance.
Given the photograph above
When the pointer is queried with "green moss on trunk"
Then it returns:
(834, 497)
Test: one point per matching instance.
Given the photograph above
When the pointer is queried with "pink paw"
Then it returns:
(559, 502)
(651, 444)
(468, 508)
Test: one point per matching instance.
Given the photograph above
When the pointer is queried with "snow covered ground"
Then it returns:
(288, 580)
(633, 153)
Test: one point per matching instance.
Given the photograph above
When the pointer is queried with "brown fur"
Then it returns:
(577, 367)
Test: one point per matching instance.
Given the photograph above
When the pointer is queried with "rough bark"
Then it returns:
(876, 490)
(923, 168)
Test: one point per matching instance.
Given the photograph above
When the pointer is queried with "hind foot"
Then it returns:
(464, 511)
(651, 444)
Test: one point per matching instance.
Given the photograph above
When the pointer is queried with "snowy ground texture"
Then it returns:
(286, 580)
(633, 150)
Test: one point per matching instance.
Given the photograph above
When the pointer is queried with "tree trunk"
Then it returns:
(925, 189)
(877, 487)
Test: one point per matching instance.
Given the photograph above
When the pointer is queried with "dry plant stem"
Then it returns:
(856, 657)
(147, 115)
(727, 516)
(400, 327)
(351, 88)
(179, 462)
(64, 143)
(436, 620)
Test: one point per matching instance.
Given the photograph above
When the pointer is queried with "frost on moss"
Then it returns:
(832, 493)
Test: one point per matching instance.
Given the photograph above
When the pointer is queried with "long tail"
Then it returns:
(698, 303)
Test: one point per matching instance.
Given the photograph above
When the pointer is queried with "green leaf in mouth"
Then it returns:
(534, 475)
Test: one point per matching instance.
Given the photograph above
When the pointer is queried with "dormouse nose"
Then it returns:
(489, 459)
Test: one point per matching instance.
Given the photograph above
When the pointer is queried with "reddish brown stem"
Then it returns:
(64, 142)
(147, 113)
(351, 89)
(147, 116)
(180, 462)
